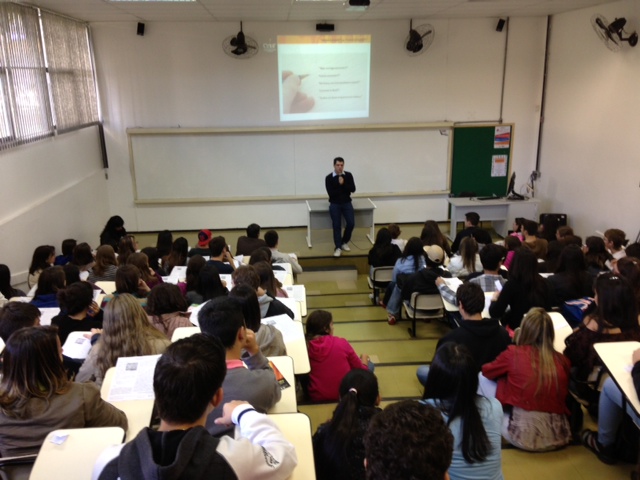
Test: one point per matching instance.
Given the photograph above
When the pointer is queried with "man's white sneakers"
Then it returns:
(345, 247)
(337, 252)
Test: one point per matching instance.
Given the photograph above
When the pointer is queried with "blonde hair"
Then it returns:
(126, 332)
(537, 331)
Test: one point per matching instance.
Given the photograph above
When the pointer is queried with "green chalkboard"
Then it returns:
(474, 148)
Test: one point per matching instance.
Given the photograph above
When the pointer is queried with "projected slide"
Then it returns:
(324, 76)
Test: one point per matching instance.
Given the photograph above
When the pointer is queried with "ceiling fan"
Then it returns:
(240, 45)
(612, 34)
(419, 39)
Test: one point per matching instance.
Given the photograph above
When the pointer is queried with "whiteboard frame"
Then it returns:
(138, 131)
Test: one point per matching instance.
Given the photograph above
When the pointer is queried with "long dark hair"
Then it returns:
(178, 255)
(194, 266)
(572, 264)
(164, 243)
(268, 281)
(358, 390)
(32, 368)
(50, 281)
(413, 248)
(596, 255)
(318, 324)
(431, 235)
(209, 283)
(40, 256)
(616, 305)
(524, 270)
(453, 383)
(5, 283)
(247, 297)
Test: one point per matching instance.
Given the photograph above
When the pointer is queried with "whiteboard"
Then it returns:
(179, 165)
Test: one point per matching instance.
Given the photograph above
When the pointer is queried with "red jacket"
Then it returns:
(331, 358)
(517, 381)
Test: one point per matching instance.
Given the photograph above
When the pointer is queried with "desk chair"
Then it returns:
(17, 468)
(378, 280)
(423, 306)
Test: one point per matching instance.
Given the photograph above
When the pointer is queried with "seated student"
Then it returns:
(384, 252)
(471, 229)
(268, 282)
(17, 315)
(548, 228)
(208, 285)
(537, 245)
(72, 275)
(395, 232)
(524, 290)
(615, 240)
(43, 258)
(36, 396)
(271, 238)
(128, 280)
(49, 282)
(570, 280)
(633, 250)
(5, 284)
(221, 257)
(595, 255)
(611, 412)
(167, 309)
(67, 252)
(629, 268)
(518, 228)
(79, 313)
(113, 231)
(126, 332)
(511, 243)
(491, 257)
(194, 266)
(615, 319)
(182, 448)
(338, 450)
(248, 244)
(263, 254)
(331, 358)
(484, 337)
(424, 280)
(431, 235)
(475, 421)
(177, 256)
(126, 246)
(468, 261)
(106, 266)
(411, 260)
(202, 248)
(164, 242)
(268, 337)
(83, 257)
(154, 260)
(532, 385)
(563, 231)
(408, 440)
(255, 383)
(269, 305)
(147, 274)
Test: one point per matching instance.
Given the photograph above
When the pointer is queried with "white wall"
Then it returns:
(51, 190)
(590, 162)
(177, 74)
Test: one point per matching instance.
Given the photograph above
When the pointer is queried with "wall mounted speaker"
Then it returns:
(500, 25)
(140, 29)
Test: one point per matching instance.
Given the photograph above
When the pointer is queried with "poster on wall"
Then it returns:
(502, 137)
(499, 166)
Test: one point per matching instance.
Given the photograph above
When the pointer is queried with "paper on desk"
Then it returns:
(453, 283)
(133, 379)
(296, 292)
(226, 277)
(290, 329)
(195, 310)
(46, 314)
(281, 275)
(77, 345)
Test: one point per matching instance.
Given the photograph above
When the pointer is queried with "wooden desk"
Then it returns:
(73, 458)
(184, 332)
(294, 306)
(562, 330)
(138, 412)
(293, 336)
(296, 427)
(299, 294)
(107, 287)
(500, 212)
(288, 402)
(319, 217)
(283, 277)
(616, 357)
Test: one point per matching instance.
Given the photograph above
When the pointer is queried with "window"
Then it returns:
(46, 76)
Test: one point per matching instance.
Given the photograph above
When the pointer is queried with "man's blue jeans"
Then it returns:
(337, 211)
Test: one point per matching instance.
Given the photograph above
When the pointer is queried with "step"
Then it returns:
(336, 273)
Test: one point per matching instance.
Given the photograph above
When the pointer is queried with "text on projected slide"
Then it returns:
(324, 76)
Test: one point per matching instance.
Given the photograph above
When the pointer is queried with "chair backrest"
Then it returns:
(425, 301)
(382, 274)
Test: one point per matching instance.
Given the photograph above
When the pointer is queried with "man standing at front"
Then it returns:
(340, 186)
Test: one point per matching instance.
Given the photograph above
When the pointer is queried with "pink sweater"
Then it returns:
(331, 359)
